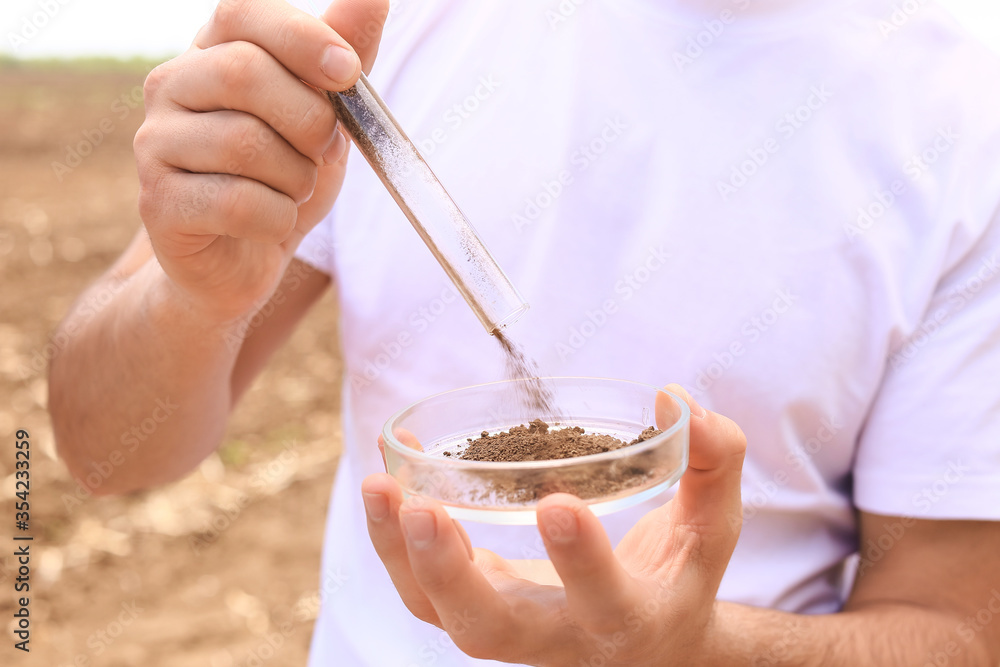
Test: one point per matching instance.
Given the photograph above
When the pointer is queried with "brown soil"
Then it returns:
(538, 442)
(217, 568)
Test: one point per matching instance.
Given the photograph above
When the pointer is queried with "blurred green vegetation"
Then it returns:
(36, 84)
(235, 453)
(84, 65)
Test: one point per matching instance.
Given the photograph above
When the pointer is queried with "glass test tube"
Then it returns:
(428, 206)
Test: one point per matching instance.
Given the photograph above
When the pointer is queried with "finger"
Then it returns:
(382, 498)
(231, 142)
(708, 500)
(715, 463)
(381, 450)
(469, 608)
(465, 539)
(360, 22)
(307, 46)
(599, 592)
(408, 439)
(667, 409)
(404, 437)
(244, 77)
(187, 206)
(328, 184)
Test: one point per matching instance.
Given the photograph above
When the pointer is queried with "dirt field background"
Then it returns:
(219, 570)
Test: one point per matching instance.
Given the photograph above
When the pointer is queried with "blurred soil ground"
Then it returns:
(220, 569)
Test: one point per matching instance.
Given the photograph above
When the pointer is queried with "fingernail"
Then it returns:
(376, 505)
(336, 149)
(420, 528)
(560, 525)
(697, 411)
(338, 63)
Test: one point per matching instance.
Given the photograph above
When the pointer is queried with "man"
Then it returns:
(788, 207)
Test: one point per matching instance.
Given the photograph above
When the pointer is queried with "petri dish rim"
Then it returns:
(390, 439)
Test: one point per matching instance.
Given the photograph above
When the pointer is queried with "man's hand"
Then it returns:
(932, 597)
(651, 597)
(238, 158)
(240, 153)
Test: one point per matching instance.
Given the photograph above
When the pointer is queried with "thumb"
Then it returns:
(360, 23)
(708, 500)
(702, 521)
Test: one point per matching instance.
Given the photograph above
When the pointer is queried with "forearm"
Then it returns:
(140, 392)
(875, 635)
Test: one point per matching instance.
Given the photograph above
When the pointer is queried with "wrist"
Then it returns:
(716, 645)
(165, 303)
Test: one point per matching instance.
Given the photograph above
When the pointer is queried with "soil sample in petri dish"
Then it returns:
(538, 441)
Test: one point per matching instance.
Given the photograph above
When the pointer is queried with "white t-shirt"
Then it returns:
(789, 207)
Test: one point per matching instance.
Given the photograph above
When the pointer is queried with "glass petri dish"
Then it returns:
(423, 445)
